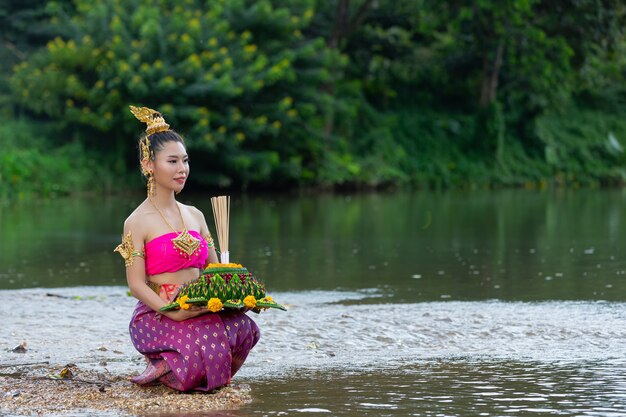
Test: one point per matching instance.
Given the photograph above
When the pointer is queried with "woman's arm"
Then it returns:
(136, 276)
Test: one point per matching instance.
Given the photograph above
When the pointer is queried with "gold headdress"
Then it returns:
(154, 120)
(155, 123)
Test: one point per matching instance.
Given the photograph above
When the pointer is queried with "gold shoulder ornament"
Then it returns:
(209, 240)
(127, 249)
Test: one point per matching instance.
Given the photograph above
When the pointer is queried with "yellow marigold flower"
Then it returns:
(250, 301)
(182, 302)
(269, 299)
(214, 305)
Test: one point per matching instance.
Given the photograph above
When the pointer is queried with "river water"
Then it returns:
(427, 304)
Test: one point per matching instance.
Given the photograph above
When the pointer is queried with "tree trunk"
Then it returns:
(491, 74)
(344, 26)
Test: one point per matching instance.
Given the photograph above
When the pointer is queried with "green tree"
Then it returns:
(237, 77)
(24, 28)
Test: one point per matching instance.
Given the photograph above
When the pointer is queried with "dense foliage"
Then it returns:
(278, 93)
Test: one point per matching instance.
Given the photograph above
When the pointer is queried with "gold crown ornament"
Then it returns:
(155, 123)
(154, 119)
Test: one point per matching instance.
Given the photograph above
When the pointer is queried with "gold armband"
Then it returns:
(209, 240)
(127, 250)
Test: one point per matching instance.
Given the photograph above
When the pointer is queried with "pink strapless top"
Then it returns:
(161, 255)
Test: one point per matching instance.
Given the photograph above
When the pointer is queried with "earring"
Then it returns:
(151, 190)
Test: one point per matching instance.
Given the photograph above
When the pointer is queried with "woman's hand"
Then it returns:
(182, 314)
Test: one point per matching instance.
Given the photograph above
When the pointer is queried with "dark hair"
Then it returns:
(158, 141)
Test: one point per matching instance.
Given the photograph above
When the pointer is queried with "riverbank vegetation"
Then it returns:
(305, 93)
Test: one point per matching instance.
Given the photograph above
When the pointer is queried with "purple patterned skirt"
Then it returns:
(201, 353)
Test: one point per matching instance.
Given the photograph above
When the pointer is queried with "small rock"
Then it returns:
(21, 348)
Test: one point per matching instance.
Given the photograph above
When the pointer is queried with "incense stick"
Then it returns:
(221, 215)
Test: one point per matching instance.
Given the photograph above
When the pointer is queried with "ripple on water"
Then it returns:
(329, 329)
(352, 354)
(455, 387)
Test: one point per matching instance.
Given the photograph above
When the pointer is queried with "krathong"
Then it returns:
(224, 286)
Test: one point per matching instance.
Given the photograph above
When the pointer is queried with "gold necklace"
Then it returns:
(184, 242)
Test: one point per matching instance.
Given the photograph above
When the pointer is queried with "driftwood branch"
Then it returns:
(17, 365)
(85, 381)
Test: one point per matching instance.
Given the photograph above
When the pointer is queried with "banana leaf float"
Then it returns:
(224, 286)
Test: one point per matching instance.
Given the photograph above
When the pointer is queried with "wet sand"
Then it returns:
(41, 389)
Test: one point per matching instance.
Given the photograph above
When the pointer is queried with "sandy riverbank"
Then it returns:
(87, 327)
(39, 389)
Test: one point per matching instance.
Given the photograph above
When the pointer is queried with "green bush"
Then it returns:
(31, 164)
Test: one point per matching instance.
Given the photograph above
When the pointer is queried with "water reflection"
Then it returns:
(449, 388)
(511, 245)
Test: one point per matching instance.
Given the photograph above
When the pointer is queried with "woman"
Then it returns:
(165, 245)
